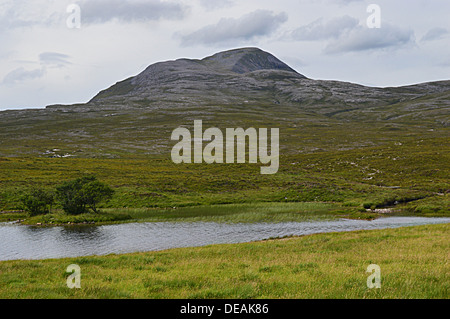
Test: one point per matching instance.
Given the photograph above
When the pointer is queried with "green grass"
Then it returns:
(237, 213)
(413, 262)
(430, 206)
(229, 213)
(413, 175)
(366, 177)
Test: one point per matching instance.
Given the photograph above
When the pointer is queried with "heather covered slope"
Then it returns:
(339, 141)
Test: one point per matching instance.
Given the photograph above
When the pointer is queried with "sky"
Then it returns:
(66, 51)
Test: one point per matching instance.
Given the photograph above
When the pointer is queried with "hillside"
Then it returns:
(340, 142)
(243, 87)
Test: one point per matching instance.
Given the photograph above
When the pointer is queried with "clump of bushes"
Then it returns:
(76, 197)
(38, 202)
(84, 193)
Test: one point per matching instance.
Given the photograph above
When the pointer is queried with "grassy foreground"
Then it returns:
(413, 262)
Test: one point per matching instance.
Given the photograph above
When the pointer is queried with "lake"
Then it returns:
(31, 242)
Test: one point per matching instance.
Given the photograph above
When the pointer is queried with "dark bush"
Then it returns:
(84, 193)
(38, 202)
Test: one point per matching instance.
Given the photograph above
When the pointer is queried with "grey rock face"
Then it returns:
(223, 74)
(246, 60)
(252, 75)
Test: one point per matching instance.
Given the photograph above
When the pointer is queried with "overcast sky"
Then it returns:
(45, 59)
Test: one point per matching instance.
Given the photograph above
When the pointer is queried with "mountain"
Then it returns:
(225, 75)
(254, 76)
(245, 87)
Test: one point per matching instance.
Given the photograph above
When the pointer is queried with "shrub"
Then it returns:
(81, 194)
(38, 202)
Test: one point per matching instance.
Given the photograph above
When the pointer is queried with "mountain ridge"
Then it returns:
(212, 69)
(236, 88)
(237, 75)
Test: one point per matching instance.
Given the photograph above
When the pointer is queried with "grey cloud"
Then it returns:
(254, 24)
(47, 60)
(54, 59)
(319, 29)
(20, 75)
(362, 38)
(23, 14)
(346, 34)
(100, 11)
(216, 4)
(434, 34)
(10, 18)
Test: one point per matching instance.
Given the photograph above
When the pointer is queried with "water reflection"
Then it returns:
(28, 242)
(89, 232)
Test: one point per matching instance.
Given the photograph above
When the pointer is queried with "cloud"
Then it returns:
(435, 34)
(255, 24)
(20, 75)
(46, 60)
(26, 14)
(101, 11)
(54, 59)
(210, 5)
(346, 34)
(362, 38)
(319, 29)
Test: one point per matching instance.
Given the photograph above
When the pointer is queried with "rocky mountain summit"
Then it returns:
(223, 76)
(253, 76)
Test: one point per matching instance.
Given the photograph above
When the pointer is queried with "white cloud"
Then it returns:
(435, 34)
